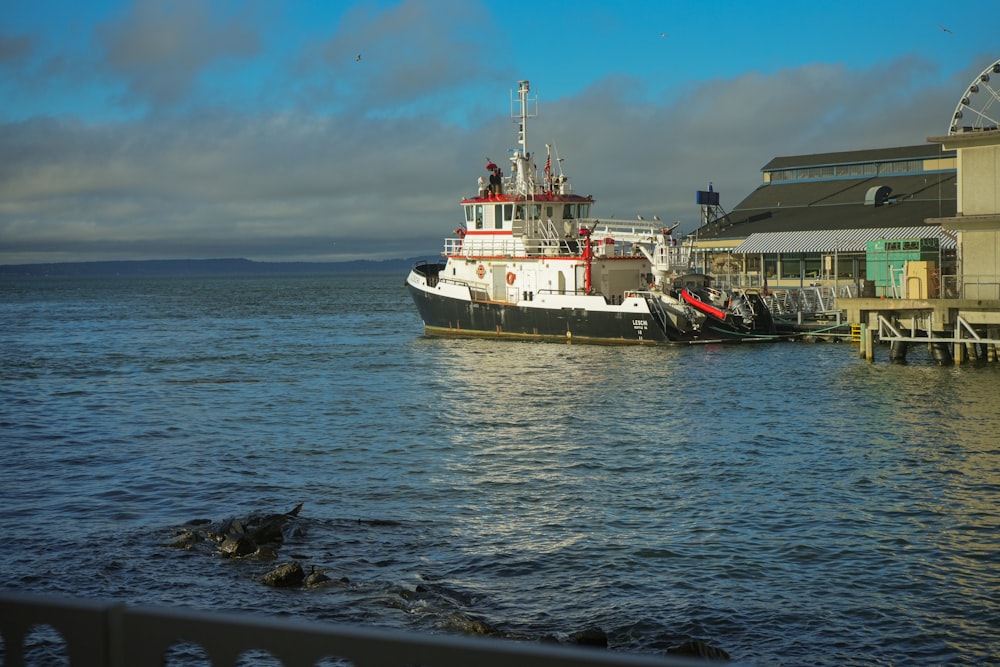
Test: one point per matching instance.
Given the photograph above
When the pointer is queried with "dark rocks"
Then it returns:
(257, 535)
(470, 625)
(186, 539)
(316, 578)
(237, 546)
(285, 576)
(592, 636)
(698, 649)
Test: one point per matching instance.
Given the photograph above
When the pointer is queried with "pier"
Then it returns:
(956, 330)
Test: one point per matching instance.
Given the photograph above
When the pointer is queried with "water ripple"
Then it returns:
(787, 503)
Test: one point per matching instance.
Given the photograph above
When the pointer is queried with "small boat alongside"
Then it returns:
(530, 261)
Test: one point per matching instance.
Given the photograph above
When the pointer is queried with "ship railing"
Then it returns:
(484, 245)
(625, 229)
(655, 307)
(815, 300)
(543, 240)
(567, 292)
(103, 634)
(476, 292)
(453, 246)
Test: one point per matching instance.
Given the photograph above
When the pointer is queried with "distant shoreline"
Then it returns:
(200, 267)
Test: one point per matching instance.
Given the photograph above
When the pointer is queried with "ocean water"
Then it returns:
(787, 502)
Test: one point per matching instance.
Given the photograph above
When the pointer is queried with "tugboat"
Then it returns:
(530, 262)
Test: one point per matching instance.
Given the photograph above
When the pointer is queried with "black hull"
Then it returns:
(734, 326)
(446, 316)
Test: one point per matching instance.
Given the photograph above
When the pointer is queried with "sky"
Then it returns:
(191, 129)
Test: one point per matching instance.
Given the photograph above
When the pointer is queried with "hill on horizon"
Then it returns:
(202, 267)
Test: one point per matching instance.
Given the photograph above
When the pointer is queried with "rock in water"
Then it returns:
(471, 625)
(590, 637)
(698, 649)
(285, 576)
(236, 546)
(316, 577)
(270, 528)
(186, 540)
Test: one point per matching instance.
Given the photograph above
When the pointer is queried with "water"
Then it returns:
(788, 503)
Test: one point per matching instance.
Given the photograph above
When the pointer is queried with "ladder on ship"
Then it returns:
(656, 310)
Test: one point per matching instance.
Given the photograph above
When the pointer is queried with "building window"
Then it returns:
(791, 267)
(812, 266)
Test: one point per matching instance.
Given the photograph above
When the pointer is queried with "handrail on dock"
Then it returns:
(115, 635)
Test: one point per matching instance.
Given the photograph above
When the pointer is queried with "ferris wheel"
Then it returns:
(974, 111)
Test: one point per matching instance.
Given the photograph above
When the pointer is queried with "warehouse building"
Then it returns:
(823, 218)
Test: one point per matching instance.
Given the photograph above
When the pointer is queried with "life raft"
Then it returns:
(698, 304)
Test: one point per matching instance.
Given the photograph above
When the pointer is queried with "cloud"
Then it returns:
(14, 48)
(652, 156)
(416, 56)
(160, 49)
(271, 183)
(343, 159)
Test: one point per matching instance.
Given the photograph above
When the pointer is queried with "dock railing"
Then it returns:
(811, 301)
(115, 635)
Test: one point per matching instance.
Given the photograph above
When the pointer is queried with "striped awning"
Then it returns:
(836, 240)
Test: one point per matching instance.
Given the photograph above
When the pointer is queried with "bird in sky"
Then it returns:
(663, 34)
(943, 28)
(640, 217)
(358, 59)
(656, 217)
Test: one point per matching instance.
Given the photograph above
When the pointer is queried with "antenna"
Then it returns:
(709, 202)
(526, 107)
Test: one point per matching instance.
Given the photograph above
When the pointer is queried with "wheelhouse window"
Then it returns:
(479, 216)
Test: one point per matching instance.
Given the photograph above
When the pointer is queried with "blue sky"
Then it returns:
(141, 129)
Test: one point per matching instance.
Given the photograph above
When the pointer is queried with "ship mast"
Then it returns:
(523, 167)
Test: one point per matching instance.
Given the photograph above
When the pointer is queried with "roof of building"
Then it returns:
(840, 240)
(920, 151)
(839, 203)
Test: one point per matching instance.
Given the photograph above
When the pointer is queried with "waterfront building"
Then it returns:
(813, 218)
(964, 322)
(976, 223)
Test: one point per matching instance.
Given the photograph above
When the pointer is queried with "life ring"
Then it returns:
(511, 278)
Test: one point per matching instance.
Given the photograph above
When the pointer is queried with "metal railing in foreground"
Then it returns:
(114, 635)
